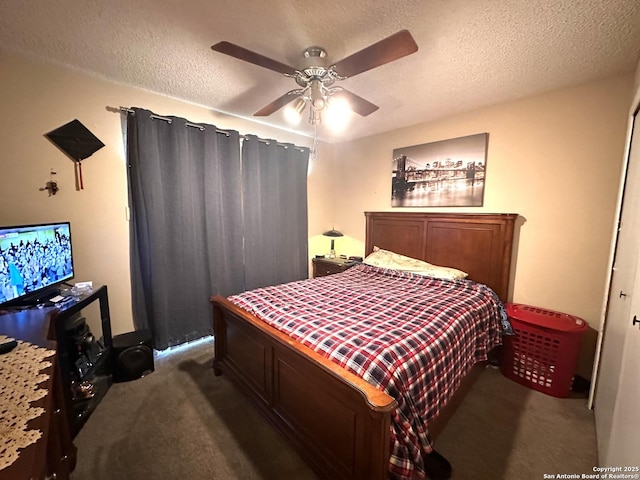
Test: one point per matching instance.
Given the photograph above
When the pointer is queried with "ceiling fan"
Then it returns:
(316, 82)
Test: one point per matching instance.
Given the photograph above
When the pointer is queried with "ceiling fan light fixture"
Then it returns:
(293, 112)
(337, 114)
(316, 80)
(317, 95)
(318, 103)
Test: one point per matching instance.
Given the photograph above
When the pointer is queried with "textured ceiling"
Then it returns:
(472, 53)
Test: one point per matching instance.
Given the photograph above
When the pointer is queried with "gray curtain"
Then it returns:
(186, 229)
(208, 219)
(274, 181)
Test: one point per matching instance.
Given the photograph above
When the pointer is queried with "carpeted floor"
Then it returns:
(504, 430)
(182, 422)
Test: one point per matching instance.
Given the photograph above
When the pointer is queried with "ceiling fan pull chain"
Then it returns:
(314, 151)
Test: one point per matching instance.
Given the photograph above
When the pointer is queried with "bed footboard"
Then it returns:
(337, 422)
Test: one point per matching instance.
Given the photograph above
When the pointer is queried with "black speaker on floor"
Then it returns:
(133, 354)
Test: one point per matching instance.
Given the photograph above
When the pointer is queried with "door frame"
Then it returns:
(633, 111)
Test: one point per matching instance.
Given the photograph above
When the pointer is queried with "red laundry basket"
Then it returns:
(543, 353)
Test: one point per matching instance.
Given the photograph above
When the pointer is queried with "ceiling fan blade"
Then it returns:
(391, 48)
(277, 104)
(358, 104)
(252, 57)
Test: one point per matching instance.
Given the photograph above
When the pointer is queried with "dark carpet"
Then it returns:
(182, 422)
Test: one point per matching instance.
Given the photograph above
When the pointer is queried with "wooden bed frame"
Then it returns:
(337, 422)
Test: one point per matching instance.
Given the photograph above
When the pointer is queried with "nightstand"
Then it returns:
(328, 266)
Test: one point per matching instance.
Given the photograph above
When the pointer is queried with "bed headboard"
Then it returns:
(477, 243)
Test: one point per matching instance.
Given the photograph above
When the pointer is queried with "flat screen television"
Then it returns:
(34, 261)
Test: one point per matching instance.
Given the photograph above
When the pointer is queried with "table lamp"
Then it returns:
(332, 233)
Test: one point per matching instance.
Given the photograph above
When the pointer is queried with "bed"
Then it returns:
(338, 422)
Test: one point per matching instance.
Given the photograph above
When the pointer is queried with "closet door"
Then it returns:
(617, 389)
(624, 441)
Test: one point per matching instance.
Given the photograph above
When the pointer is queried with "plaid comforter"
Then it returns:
(413, 337)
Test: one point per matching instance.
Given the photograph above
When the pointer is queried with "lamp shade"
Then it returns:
(333, 233)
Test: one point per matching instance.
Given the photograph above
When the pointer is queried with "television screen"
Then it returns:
(33, 260)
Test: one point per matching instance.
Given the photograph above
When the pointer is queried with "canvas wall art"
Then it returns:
(447, 173)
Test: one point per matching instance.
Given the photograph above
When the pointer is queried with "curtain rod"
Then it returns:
(202, 128)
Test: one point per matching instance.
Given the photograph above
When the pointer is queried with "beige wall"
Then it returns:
(554, 159)
(38, 97)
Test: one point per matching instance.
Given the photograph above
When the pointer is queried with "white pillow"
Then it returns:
(387, 259)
